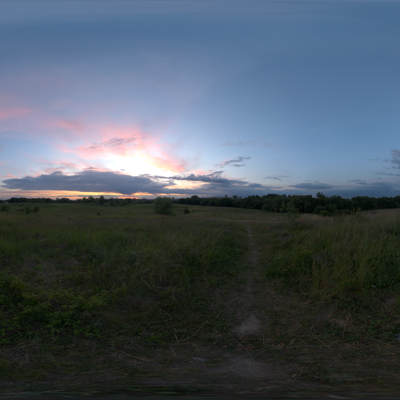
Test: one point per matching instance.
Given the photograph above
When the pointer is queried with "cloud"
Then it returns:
(234, 162)
(312, 186)
(395, 158)
(10, 113)
(214, 178)
(354, 189)
(372, 159)
(373, 189)
(251, 143)
(112, 143)
(358, 181)
(97, 181)
(386, 159)
(386, 173)
(88, 180)
(93, 180)
(71, 125)
(276, 178)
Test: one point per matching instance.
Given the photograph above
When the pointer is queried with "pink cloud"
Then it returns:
(10, 113)
(75, 126)
(89, 144)
(125, 142)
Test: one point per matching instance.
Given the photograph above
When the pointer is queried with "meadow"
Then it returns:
(116, 296)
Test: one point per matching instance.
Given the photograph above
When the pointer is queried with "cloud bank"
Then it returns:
(213, 184)
(92, 180)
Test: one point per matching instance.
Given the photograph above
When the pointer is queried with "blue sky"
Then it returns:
(146, 98)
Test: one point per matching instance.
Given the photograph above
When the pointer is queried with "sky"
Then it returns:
(146, 98)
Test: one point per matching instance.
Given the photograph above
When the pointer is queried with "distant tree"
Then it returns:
(163, 205)
(101, 200)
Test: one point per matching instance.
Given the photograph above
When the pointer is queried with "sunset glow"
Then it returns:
(202, 98)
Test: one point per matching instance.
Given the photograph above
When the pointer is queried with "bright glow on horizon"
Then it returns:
(199, 98)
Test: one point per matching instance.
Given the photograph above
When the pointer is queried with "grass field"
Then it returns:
(118, 296)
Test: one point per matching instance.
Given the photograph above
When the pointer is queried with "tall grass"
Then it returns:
(62, 275)
(355, 255)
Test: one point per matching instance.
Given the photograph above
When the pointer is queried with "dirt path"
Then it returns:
(247, 310)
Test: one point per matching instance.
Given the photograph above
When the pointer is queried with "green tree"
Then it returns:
(163, 205)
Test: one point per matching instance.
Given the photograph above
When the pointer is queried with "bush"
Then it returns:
(324, 213)
(5, 208)
(163, 205)
(341, 213)
(318, 209)
(186, 210)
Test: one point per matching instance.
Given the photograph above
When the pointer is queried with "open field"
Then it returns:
(220, 300)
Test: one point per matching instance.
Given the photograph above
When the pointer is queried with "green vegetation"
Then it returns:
(163, 205)
(303, 204)
(84, 284)
(62, 277)
(351, 263)
(269, 203)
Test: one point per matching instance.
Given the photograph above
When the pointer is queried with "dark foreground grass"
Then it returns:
(66, 271)
(120, 297)
(349, 264)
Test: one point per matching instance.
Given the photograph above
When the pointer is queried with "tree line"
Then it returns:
(296, 203)
(320, 204)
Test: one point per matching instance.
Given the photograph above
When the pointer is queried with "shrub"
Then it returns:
(163, 205)
(186, 210)
(5, 208)
(318, 209)
(324, 213)
(341, 213)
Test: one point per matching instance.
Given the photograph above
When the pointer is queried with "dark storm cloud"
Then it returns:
(234, 162)
(312, 186)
